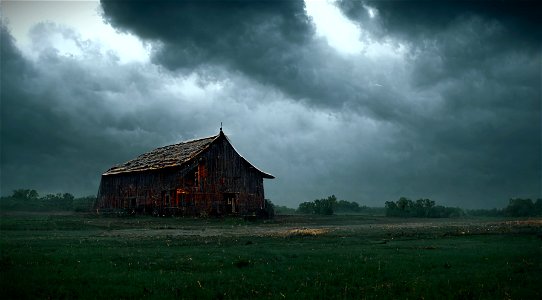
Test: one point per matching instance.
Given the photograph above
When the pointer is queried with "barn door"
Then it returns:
(230, 203)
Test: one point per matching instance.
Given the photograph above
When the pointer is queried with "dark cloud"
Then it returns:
(246, 34)
(422, 19)
(271, 42)
(446, 106)
(448, 38)
(481, 62)
(61, 126)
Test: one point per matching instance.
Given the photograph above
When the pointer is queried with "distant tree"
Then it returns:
(269, 209)
(403, 207)
(421, 208)
(325, 206)
(404, 204)
(25, 194)
(306, 208)
(67, 201)
(391, 209)
(319, 206)
(59, 201)
(538, 207)
(391, 205)
(520, 208)
(347, 207)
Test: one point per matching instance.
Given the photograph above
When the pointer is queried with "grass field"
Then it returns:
(87, 256)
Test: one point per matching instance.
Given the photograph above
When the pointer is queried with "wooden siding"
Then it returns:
(218, 181)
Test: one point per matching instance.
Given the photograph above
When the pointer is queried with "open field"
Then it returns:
(88, 256)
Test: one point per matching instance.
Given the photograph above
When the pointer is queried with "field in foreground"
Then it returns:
(87, 256)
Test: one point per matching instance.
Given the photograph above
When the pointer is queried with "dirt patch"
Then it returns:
(212, 232)
(399, 228)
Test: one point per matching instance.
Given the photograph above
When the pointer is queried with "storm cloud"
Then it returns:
(443, 101)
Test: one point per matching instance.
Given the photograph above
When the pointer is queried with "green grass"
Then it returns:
(84, 256)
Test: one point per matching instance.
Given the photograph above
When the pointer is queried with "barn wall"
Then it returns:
(216, 182)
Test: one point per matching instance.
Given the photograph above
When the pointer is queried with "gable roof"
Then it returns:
(171, 156)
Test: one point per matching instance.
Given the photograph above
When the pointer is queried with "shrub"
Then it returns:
(284, 210)
(270, 209)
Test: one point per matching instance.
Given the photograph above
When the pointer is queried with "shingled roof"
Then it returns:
(170, 156)
(167, 156)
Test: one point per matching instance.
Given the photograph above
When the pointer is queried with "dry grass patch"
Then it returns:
(304, 232)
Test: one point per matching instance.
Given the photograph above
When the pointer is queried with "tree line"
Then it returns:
(421, 208)
(426, 208)
(330, 206)
(30, 200)
(517, 207)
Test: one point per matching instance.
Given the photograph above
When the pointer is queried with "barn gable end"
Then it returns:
(200, 177)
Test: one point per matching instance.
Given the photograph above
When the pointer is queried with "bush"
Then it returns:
(494, 212)
(284, 210)
(268, 212)
(538, 207)
(270, 208)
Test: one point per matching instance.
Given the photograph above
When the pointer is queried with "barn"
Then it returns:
(200, 177)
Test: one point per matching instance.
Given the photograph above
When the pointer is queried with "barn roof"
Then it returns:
(171, 156)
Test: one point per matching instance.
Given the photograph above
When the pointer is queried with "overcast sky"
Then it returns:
(367, 100)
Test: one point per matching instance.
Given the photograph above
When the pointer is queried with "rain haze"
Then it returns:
(367, 100)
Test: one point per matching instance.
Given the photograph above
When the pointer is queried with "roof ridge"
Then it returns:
(199, 139)
(184, 142)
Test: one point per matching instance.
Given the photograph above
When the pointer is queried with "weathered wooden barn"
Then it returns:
(200, 177)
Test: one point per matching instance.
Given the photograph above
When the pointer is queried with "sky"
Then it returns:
(366, 100)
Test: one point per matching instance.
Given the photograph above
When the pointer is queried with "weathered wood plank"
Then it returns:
(216, 181)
